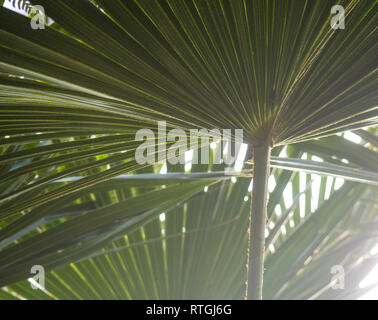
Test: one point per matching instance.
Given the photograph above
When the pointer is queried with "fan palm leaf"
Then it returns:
(74, 94)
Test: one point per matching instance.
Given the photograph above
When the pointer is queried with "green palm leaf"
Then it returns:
(73, 96)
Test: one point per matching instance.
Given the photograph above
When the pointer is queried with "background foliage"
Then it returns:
(73, 198)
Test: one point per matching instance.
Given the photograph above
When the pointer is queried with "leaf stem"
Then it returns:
(261, 157)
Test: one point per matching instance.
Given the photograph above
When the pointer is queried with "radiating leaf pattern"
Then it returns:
(73, 96)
